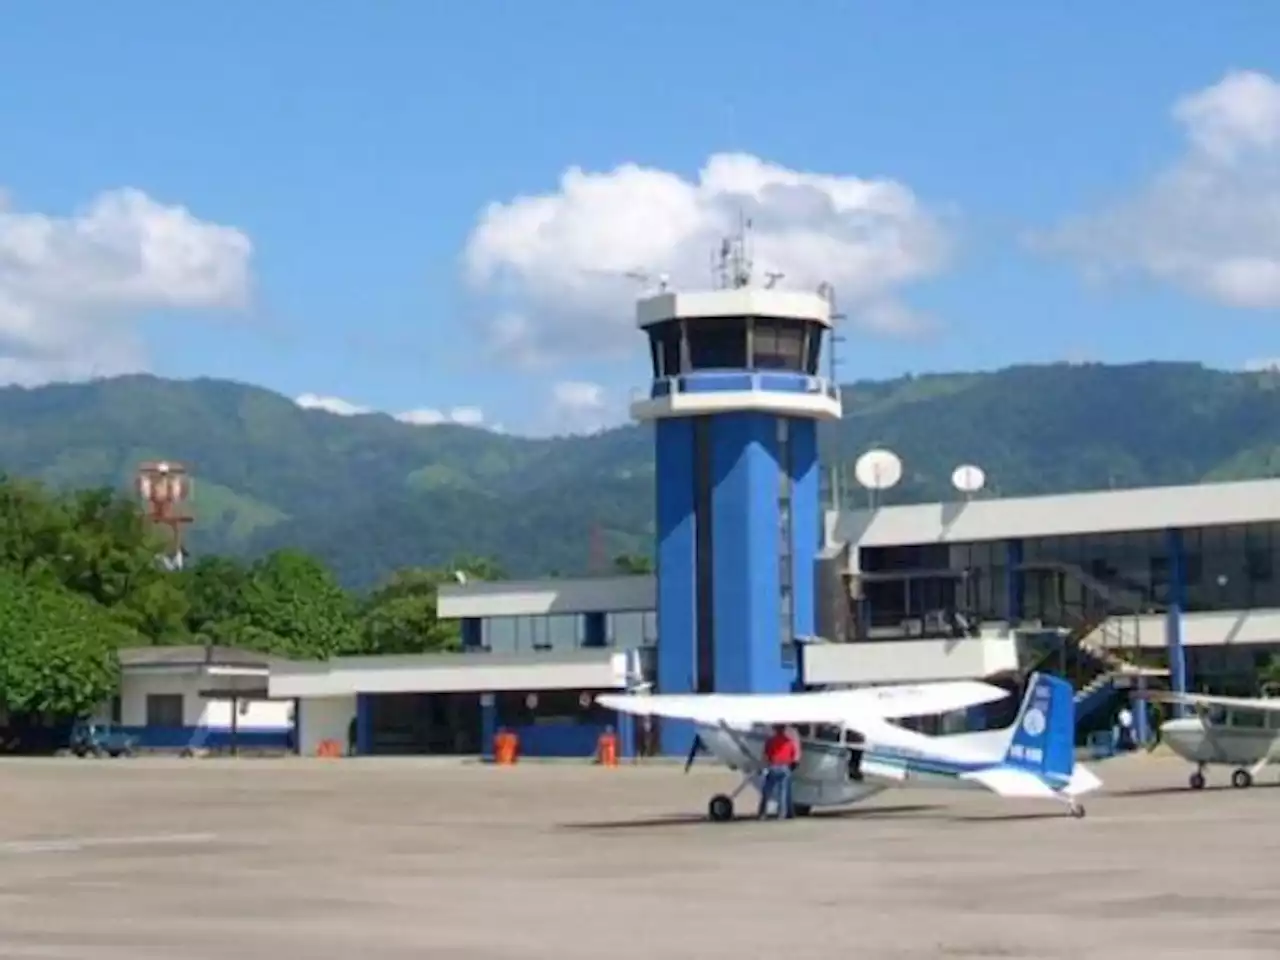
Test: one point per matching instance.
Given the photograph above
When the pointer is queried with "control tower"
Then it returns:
(735, 400)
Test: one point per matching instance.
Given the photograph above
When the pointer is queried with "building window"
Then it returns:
(717, 343)
(164, 710)
(778, 344)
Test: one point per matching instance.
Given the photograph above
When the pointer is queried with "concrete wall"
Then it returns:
(602, 669)
(324, 718)
(196, 711)
(514, 598)
(908, 661)
(1226, 627)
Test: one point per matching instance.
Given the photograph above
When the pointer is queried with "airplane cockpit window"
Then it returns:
(1217, 716)
(1248, 719)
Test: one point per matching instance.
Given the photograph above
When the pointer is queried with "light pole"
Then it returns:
(165, 488)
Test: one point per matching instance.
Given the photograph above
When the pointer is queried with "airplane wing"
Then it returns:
(828, 706)
(1205, 700)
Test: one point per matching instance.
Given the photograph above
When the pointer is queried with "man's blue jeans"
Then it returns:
(777, 787)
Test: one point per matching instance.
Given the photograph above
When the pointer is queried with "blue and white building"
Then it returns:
(762, 588)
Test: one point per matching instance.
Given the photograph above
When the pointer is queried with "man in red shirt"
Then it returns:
(781, 757)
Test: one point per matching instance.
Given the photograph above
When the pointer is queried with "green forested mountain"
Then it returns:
(369, 494)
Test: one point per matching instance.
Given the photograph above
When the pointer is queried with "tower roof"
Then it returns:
(734, 302)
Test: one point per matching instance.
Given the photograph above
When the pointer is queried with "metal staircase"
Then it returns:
(1086, 637)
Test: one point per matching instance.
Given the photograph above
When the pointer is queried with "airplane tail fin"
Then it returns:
(1042, 738)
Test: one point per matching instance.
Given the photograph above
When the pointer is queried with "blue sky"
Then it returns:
(348, 152)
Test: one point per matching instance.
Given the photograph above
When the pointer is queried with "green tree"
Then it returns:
(57, 650)
(400, 614)
(632, 563)
(216, 595)
(293, 606)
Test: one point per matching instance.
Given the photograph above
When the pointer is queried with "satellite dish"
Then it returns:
(876, 470)
(968, 479)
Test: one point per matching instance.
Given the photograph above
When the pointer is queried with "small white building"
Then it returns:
(199, 697)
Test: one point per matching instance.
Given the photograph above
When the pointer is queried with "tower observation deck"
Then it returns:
(735, 400)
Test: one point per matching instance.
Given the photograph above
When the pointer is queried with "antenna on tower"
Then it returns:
(733, 266)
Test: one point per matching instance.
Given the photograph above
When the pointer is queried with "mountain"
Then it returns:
(369, 493)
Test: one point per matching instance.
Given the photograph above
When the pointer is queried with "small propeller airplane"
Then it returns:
(1242, 732)
(851, 750)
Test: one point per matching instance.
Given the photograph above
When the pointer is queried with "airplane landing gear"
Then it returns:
(1077, 810)
(802, 809)
(720, 809)
(1197, 781)
(1241, 778)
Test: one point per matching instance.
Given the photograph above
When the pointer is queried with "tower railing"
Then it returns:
(712, 381)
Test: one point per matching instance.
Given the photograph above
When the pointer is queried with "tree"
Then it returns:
(294, 607)
(94, 543)
(215, 588)
(632, 563)
(400, 615)
(57, 650)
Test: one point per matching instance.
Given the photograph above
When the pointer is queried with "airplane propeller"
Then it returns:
(694, 749)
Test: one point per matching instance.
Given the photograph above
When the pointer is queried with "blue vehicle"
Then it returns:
(90, 739)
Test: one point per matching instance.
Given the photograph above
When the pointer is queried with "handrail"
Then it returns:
(677, 383)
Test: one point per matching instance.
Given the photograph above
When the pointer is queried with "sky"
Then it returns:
(430, 209)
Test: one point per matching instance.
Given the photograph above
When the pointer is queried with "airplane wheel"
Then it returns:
(1197, 781)
(1241, 779)
(720, 809)
(1077, 811)
(803, 809)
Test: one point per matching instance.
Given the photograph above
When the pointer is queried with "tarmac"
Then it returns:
(441, 860)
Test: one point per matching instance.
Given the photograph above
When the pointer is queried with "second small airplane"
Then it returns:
(851, 750)
(1240, 732)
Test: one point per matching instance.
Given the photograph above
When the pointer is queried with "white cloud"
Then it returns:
(73, 288)
(467, 416)
(579, 406)
(334, 405)
(1262, 365)
(1210, 223)
(420, 417)
(556, 264)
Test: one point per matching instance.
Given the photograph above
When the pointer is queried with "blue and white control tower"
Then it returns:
(736, 397)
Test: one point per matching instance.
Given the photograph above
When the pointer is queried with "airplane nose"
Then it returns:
(1184, 734)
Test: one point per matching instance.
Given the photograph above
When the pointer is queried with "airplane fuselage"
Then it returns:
(834, 773)
(1200, 742)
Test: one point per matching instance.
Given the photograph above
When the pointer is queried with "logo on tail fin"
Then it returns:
(1042, 739)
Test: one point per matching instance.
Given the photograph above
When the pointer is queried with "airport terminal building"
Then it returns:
(761, 587)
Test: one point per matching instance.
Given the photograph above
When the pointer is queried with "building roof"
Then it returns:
(196, 655)
(515, 598)
(1105, 511)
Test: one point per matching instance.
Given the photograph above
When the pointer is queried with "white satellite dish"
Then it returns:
(878, 469)
(968, 479)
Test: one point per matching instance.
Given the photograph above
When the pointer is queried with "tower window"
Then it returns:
(664, 349)
(717, 343)
(778, 344)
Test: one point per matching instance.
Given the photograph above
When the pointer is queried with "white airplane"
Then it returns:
(1225, 731)
(850, 750)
